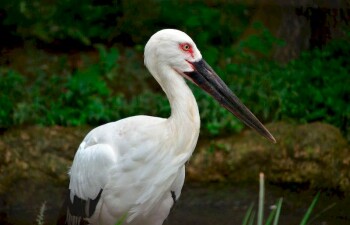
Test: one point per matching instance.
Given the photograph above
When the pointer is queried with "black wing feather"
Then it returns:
(74, 213)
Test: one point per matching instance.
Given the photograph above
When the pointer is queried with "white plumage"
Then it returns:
(134, 168)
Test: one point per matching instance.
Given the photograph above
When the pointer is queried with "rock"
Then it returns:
(316, 155)
(34, 162)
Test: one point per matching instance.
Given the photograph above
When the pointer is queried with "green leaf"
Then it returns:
(309, 210)
(278, 211)
(248, 214)
(122, 220)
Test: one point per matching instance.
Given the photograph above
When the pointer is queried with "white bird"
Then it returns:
(133, 170)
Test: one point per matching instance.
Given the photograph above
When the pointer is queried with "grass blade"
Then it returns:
(251, 219)
(278, 211)
(247, 214)
(309, 210)
(261, 199)
(121, 221)
(271, 216)
(322, 211)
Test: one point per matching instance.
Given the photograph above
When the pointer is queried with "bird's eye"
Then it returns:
(185, 47)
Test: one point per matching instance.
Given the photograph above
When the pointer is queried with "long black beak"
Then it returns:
(206, 78)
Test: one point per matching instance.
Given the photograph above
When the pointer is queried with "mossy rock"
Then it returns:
(34, 163)
(314, 154)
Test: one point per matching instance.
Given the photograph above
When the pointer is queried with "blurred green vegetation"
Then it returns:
(313, 87)
(130, 22)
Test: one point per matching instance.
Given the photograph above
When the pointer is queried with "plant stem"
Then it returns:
(261, 199)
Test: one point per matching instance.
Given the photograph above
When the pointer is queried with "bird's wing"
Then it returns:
(88, 174)
(147, 186)
(176, 187)
(147, 167)
(159, 185)
(88, 177)
(137, 169)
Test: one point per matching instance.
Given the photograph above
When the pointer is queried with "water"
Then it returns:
(227, 205)
(206, 204)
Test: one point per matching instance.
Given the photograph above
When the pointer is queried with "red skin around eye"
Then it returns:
(190, 50)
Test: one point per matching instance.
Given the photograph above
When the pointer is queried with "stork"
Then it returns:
(133, 170)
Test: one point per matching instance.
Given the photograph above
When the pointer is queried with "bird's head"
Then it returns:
(172, 48)
(176, 50)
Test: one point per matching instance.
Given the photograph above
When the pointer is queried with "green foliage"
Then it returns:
(108, 61)
(47, 21)
(122, 220)
(214, 118)
(309, 210)
(84, 91)
(208, 23)
(312, 87)
(248, 215)
(87, 22)
(261, 43)
(80, 97)
(315, 86)
(275, 213)
(248, 75)
(11, 86)
(75, 99)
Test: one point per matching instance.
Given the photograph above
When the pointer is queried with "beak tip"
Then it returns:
(271, 138)
(274, 141)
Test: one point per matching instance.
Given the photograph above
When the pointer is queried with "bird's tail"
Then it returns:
(65, 217)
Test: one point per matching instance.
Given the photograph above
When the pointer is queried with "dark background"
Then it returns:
(67, 66)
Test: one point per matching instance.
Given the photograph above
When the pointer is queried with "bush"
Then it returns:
(46, 21)
(88, 22)
(12, 91)
(315, 87)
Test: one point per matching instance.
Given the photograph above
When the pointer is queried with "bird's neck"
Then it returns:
(183, 104)
(184, 119)
(184, 108)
